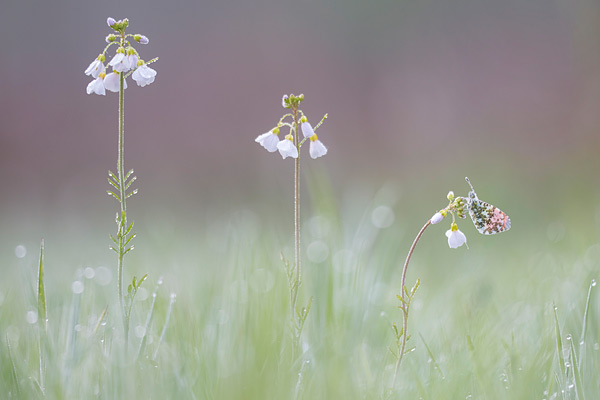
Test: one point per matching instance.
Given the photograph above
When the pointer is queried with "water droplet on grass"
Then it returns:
(317, 251)
(89, 273)
(20, 251)
(139, 331)
(593, 282)
(77, 287)
(103, 276)
(382, 217)
(31, 316)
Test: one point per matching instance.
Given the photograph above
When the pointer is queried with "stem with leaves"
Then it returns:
(121, 182)
(402, 336)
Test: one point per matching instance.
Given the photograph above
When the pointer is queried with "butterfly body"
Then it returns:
(488, 219)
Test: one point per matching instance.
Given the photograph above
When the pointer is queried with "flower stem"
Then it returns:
(297, 212)
(123, 214)
(405, 309)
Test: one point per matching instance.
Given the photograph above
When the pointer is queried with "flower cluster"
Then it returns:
(125, 61)
(290, 145)
(457, 208)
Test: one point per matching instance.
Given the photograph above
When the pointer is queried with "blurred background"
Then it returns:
(419, 95)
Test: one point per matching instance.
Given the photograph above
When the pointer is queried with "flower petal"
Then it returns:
(307, 130)
(317, 149)
(287, 149)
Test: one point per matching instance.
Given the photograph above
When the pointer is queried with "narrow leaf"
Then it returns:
(102, 316)
(42, 312)
(13, 368)
(112, 183)
(108, 192)
(559, 347)
(130, 182)
(128, 174)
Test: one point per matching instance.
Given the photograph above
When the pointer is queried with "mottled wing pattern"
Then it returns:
(488, 219)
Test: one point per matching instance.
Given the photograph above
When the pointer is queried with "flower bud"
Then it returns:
(111, 21)
(437, 218)
(141, 39)
(450, 195)
(285, 102)
(111, 38)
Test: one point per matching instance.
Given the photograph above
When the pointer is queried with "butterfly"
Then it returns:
(488, 219)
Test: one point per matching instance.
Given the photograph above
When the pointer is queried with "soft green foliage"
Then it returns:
(482, 323)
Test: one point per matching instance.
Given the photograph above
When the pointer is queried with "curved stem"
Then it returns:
(405, 309)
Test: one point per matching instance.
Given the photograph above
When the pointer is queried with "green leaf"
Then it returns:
(130, 182)
(131, 193)
(112, 175)
(559, 347)
(112, 183)
(142, 279)
(42, 311)
(102, 316)
(129, 239)
(113, 195)
(128, 174)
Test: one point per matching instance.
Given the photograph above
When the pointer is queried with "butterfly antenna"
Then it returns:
(469, 182)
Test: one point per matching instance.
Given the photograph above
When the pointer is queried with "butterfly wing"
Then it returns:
(488, 219)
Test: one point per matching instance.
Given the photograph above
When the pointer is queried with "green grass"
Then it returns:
(483, 323)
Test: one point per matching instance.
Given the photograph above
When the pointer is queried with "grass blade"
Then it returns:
(13, 368)
(559, 346)
(584, 323)
(42, 311)
(576, 373)
(164, 331)
(150, 317)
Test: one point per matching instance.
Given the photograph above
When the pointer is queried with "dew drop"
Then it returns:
(382, 217)
(567, 364)
(31, 316)
(89, 273)
(317, 251)
(139, 331)
(20, 251)
(569, 337)
(593, 282)
(77, 287)
(103, 276)
(571, 386)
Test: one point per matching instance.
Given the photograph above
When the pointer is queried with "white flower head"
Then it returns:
(455, 237)
(317, 149)
(437, 218)
(144, 75)
(307, 130)
(96, 86)
(120, 62)
(269, 140)
(112, 80)
(287, 148)
(95, 67)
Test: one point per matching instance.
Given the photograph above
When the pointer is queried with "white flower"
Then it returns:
(287, 148)
(317, 149)
(307, 130)
(437, 218)
(95, 68)
(96, 86)
(268, 140)
(120, 62)
(143, 75)
(455, 237)
(111, 82)
(132, 59)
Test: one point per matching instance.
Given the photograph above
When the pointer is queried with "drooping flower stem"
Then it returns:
(405, 305)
